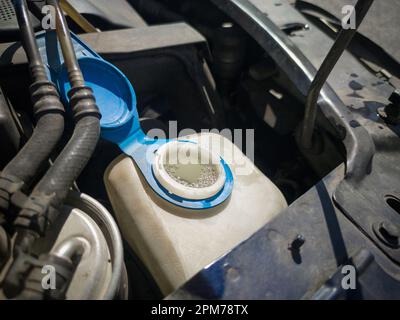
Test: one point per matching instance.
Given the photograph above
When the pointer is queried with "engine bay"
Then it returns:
(93, 110)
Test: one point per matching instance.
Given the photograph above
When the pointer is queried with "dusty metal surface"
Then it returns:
(265, 267)
(121, 41)
(380, 22)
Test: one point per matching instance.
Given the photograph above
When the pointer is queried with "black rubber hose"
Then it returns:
(49, 115)
(36, 151)
(81, 147)
(41, 208)
(71, 161)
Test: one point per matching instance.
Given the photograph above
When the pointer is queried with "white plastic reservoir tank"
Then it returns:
(176, 243)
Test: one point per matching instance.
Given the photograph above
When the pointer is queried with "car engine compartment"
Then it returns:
(114, 228)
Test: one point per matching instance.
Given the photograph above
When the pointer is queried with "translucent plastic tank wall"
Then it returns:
(176, 243)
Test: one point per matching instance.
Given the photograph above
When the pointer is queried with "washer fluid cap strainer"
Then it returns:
(189, 171)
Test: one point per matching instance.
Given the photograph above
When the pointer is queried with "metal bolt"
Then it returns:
(388, 233)
(390, 229)
(297, 243)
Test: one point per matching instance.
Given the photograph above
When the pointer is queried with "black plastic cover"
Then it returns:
(9, 30)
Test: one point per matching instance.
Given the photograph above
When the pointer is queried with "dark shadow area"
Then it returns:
(332, 223)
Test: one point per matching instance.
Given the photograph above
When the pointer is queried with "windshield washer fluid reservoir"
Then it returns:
(176, 243)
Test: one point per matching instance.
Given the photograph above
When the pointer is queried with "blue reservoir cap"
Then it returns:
(120, 124)
(115, 96)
